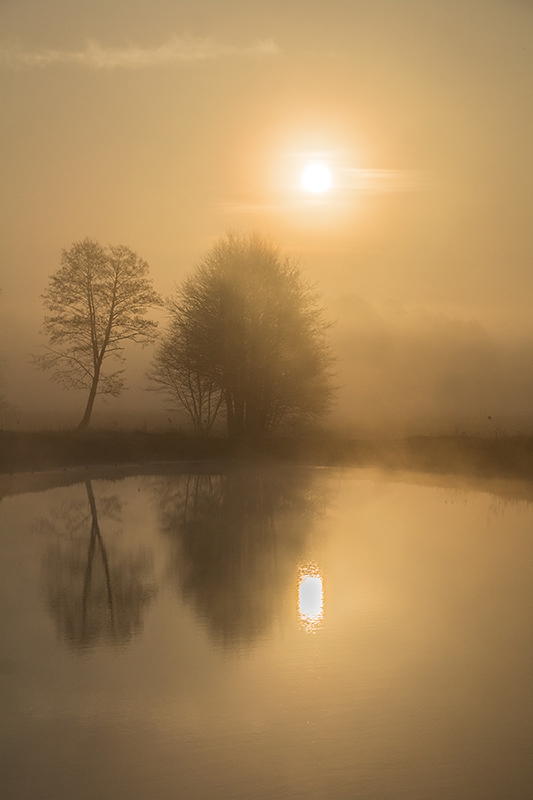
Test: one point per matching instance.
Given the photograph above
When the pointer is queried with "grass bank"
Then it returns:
(509, 457)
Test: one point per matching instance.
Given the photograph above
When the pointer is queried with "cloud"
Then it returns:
(349, 180)
(378, 181)
(350, 184)
(178, 49)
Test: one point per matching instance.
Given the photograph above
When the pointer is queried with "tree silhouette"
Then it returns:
(95, 593)
(97, 301)
(247, 337)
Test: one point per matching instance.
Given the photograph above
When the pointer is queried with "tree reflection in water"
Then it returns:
(237, 539)
(96, 592)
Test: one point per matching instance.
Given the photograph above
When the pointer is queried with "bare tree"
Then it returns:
(97, 301)
(247, 328)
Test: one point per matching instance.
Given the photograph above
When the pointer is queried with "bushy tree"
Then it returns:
(247, 338)
(175, 372)
(97, 301)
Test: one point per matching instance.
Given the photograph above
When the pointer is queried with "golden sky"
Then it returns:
(160, 124)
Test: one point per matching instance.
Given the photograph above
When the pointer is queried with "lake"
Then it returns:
(266, 632)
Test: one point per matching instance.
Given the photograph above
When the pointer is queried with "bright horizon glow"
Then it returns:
(316, 178)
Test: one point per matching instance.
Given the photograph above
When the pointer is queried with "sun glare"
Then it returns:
(316, 178)
(310, 597)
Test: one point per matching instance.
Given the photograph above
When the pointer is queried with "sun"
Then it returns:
(316, 178)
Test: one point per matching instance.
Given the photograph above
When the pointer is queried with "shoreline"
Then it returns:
(23, 453)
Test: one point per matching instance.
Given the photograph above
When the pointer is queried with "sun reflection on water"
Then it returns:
(310, 597)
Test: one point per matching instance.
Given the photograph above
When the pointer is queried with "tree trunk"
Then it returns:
(90, 403)
(230, 415)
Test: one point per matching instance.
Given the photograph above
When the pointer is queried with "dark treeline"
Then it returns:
(510, 456)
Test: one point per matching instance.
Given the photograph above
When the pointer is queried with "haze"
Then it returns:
(160, 125)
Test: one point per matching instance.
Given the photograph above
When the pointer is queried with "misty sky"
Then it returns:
(161, 124)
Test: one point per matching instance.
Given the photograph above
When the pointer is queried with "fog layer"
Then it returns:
(160, 126)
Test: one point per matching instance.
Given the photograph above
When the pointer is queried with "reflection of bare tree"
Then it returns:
(237, 538)
(96, 593)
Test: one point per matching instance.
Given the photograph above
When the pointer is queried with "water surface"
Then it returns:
(267, 632)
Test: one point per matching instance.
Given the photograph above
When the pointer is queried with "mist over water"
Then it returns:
(295, 629)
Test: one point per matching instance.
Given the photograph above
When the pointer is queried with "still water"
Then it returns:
(266, 633)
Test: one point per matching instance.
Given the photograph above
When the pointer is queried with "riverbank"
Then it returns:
(506, 457)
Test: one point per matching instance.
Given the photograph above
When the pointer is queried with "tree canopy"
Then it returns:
(97, 300)
(247, 339)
